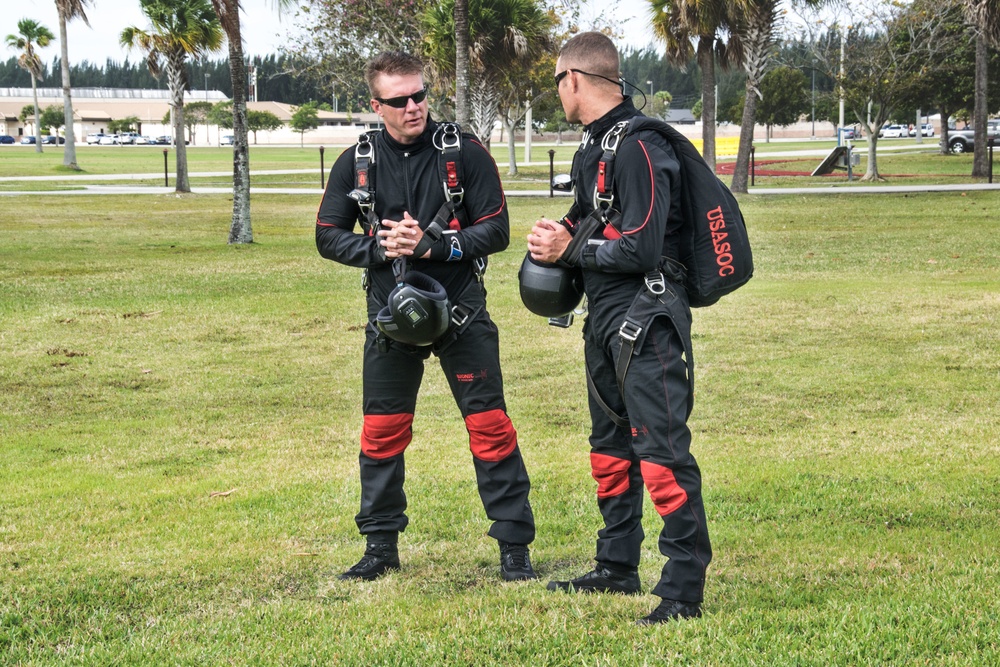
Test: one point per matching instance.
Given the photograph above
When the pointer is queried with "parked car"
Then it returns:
(143, 140)
(893, 132)
(94, 138)
(6, 139)
(227, 140)
(127, 138)
(109, 140)
(163, 140)
(50, 139)
(28, 139)
(963, 141)
(926, 130)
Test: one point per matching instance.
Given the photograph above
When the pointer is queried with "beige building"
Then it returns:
(94, 108)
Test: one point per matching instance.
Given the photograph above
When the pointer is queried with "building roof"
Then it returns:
(101, 105)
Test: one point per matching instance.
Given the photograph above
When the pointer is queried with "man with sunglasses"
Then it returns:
(651, 446)
(405, 181)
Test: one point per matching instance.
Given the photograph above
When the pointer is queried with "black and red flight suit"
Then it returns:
(655, 450)
(406, 179)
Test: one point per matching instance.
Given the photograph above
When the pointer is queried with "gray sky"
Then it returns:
(263, 32)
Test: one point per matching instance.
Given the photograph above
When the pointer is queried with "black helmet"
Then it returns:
(549, 290)
(418, 312)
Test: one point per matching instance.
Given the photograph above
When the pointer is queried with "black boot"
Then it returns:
(378, 559)
(600, 580)
(515, 564)
(671, 610)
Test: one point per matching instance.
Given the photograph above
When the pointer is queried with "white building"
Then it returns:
(94, 108)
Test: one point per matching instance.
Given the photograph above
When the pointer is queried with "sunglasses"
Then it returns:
(401, 101)
(562, 75)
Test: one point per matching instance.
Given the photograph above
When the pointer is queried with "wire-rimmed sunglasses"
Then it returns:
(401, 101)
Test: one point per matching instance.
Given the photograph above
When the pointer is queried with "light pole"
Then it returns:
(813, 113)
(208, 136)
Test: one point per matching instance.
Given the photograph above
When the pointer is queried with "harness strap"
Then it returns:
(364, 182)
(448, 140)
(634, 328)
(462, 316)
(619, 421)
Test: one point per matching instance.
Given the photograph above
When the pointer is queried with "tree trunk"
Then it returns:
(511, 149)
(462, 71)
(742, 169)
(175, 63)
(871, 174)
(240, 231)
(945, 115)
(706, 62)
(980, 166)
(69, 153)
(38, 117)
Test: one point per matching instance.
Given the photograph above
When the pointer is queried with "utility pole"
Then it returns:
(527, 129)
(841, 120)
(812, 114)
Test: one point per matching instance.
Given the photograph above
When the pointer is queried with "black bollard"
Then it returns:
(166, 181)
(753, 163)
(322, 170)
(552, 169)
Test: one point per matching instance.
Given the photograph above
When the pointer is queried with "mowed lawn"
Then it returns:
(179, 428)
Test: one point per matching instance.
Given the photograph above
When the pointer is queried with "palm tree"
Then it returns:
(462, 62)
(228, 13)
(179, 29)
(68, 10)
(505, 38)
(678, 23)
(755, 22)
(31, 35)
(984, 17)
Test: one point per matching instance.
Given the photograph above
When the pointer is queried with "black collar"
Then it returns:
(424, 141)
(623, 111)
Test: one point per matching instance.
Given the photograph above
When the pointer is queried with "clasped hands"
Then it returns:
(400, 237)
(548, 241)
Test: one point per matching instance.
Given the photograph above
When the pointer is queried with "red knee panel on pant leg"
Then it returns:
(610, 473)
(491, 435)
(385, 436)
(663, 488)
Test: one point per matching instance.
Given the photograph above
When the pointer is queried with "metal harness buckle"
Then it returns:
(454, 196)
(448, 137)
(460, 315)
(656, 285)
(365, 148)
(629, 331)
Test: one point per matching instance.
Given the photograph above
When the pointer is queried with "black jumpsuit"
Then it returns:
(406, 178)
(655, 451)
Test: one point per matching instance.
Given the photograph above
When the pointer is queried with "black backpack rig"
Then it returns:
(715, 257)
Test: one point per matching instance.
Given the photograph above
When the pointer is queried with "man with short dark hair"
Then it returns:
(627, 247)
(391, 183)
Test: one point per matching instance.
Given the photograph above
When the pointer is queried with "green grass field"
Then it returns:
(924, 166)
(179, 432)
